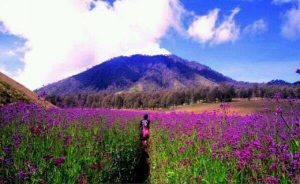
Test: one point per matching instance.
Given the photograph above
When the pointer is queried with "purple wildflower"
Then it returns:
(273, 167)
(67, 140)
(271, 179)
(59, 161)
(278, 110)
(272, 150)
(8, 162)
(16, 139)
(23, 175)
(182, 149)
(32, 168)
(257, 144)
(48, 157)
(7, 150)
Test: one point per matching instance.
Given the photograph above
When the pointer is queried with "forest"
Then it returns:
(167, 98)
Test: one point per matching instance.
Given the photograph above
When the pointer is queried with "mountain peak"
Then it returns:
(139, 73)
(278, 82)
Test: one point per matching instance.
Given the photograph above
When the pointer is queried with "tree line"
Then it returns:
(170, 98)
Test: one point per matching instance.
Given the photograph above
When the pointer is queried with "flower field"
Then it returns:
(67, 146)
(216, 148)
(54, 145)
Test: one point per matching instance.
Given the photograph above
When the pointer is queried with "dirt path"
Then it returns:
(143, 168)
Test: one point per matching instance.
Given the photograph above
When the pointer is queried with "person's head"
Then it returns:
(146, 117)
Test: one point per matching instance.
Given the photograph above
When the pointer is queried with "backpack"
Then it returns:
(145, 130)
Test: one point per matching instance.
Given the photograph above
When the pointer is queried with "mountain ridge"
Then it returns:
(279, 82)
(139, 73)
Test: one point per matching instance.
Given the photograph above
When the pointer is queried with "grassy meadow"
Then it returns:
(52, 145)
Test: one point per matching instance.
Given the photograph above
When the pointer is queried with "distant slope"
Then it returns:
(278, 82)
(296, 83)
(139, 73)
(11, 91)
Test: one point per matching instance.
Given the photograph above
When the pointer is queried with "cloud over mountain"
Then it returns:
(59, 38)
(64, 37)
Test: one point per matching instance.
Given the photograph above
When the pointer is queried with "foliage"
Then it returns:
(10, 95)
(165, 99)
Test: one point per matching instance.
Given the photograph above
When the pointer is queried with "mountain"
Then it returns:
(11, 91)
(139, 73)
(278, 82)
(296, 83)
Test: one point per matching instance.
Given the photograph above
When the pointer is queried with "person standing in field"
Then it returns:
(144, 129)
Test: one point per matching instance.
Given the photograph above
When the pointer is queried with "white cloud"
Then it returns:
(2, 28)
(15, 51)
(228, 30)
(64, 37)
(205, 29)
(291, 25)
(257, 27)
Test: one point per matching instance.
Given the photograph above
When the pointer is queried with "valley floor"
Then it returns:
(237, 106)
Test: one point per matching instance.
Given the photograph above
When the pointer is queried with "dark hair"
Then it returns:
(145, 116)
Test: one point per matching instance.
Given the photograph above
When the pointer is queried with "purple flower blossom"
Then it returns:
(32, 168)
(7, 150)
(182, 149)
(273, 150)
(59, 161)
(257, 144)
(271, 179)
(278, 110)
(201, 149)
(273, 167)
(23, 175)
(67, 140)
(8, 162)
(16, 139)
(48, 157)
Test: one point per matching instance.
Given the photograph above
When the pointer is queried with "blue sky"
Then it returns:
(253, 57)
(248, 40)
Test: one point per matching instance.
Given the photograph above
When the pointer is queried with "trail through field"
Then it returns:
(143, 168)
